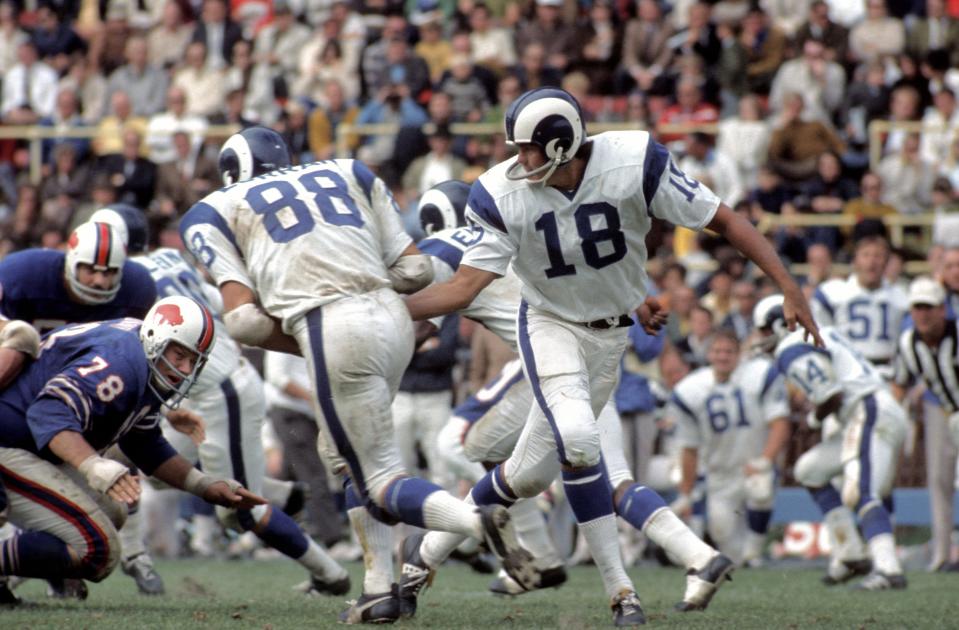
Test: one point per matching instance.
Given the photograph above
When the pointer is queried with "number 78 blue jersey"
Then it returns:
(581, 255)
(300, 237)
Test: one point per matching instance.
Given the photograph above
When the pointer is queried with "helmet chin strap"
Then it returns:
(514, 174)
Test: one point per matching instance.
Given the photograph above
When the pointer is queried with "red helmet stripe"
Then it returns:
(206, 335)
(104, 238)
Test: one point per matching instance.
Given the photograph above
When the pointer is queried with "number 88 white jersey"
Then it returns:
(581, 255)
(301, 236)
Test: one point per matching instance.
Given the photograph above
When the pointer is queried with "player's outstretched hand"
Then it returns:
(231, 494)
(652, 315)
(125, 490)
(188, 423)
(796, 310)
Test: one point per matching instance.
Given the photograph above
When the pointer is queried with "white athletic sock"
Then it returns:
(882, 548)
(204, 532)
(444, 512)
(277, 492)
(376, 540)
(843, 534)
(437, 546)
(669, 532)
(603, 540)
(131, 535)
(531, 531)
(753, 546)
(319, 563)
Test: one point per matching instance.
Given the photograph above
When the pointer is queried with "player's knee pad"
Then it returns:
(573, 420)
(531, 480)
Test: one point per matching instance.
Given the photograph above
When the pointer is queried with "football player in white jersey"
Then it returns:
(838, 380)
(228, 396)
(732, 416)
(309, 260)
(865, 307)
(570, 215)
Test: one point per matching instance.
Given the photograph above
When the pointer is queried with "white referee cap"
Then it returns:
(925, 290)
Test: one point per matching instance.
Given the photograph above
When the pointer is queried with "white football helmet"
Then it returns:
(551, 119)
(770, 321)
(183, 321)
(101, 246)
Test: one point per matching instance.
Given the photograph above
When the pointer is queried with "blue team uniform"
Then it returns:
(92, 379)
(32, 289)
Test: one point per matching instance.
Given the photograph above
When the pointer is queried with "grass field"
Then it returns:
(247, 594)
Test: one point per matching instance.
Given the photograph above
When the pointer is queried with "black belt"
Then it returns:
(620, 321)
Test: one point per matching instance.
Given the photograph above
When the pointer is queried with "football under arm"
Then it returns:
(248, 323)
(410, 272)
(453, 295)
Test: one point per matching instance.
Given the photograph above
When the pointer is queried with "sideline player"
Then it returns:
(93, 386)
(308, 260)
(734, 417)
(838, 380)
(570, 215)
(229, 397)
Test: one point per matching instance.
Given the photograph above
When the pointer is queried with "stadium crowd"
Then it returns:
(778, 97)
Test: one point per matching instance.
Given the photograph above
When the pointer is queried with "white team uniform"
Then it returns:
(228, 394)
(866, 451)
(728, 423)
(580, 258)
(870, 319)
(314, 242)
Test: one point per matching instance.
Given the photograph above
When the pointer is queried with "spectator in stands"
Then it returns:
(765, 47)
(374, 65)
(866, 100)
(936, 31)
(391, 105)
(788, 15)
(533, 71)
(108, 52)
(295, 131)
(744, 139)
(278, 44)
(819, 81)
(66, 117)
(719, 299)
(134, 177)
(905, 105)
(878, 35)
(181, 182)
(69, 178)
(404, 66)
(945, 205)
(234, 111)
(871, 203)
(693, 346)
(770, 192)
(551, 31)
(940, 125)
(699, 37)
(29, 88)
(22, 229)
(110, 128)
(434, 49)
(160, 129)
(819, 261)
(167, 41)
(204, 86)
(11, 36)
(599, 39)
(492, 45)
(439, 165)
(704, 163)
(950, 168)
(255, 82)
(907, 177)
(826, 192)
(646, 51)
(217, 32)
(690, 108)
(740, 318)
(833, 37)
(796, 144)
(466, 91)
(324, 120)
(88, 83)
(55, 41)
(144, 83)
(102, 194)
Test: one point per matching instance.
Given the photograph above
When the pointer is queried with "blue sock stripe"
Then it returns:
(283, 534)
(353, 500)
(874, 520)
(234, 430)
(529, 360)
(588, 493)
(865, 444)
(827, 498)
(488, 490)
(758, 520)
(324, 396)
(36, 554)
(638, 504)
(405, 498)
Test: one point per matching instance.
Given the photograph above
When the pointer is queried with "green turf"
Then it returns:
(213, 594)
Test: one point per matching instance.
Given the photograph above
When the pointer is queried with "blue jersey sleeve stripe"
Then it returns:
(792, 353)
(201, 213)
(653, 166)
(771, 375)
(482, 204)
(365, 177)
(681, 404)
(820, 297)
(444, 251)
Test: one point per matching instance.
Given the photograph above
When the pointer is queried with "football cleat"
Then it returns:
(879, 581)
(702, 585)
(140, 568)
(501, 540)
(479, 562)
(549, 578)
(7, 597)
(414, 576)
(627, 610)
(66, 588)
(373, 608)
(320, 586)
(844, 570)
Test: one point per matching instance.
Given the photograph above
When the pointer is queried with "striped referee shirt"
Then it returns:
(937, 367)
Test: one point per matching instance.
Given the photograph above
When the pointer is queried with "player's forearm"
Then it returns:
(689, 463)
(173, 471)
(71, 447)
(451, 296)
(779, 433)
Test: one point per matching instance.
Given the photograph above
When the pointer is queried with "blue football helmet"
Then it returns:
(130, 222)
(251, 152)
(551, 119)
(444, 206)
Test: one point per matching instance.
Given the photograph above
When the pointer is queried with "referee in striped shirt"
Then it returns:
(928, 353)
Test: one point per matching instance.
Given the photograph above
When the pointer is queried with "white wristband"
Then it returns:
(101, 473)
(19, 335)
(197, 482)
